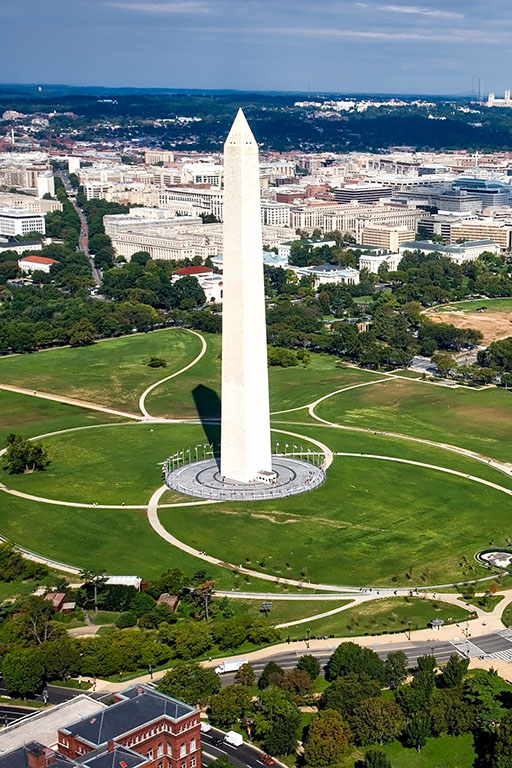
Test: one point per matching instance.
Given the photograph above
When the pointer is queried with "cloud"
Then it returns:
(416, 10)
(173, 7)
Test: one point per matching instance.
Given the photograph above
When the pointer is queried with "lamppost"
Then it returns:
(308, 637)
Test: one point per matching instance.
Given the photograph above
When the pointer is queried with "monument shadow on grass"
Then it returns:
(207, 404)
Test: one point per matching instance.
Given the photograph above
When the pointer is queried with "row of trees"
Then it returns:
(353, 711)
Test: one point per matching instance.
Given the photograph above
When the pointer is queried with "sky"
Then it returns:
(377, 46)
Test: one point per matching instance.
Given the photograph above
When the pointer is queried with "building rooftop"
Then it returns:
(19, 758)
(38, 260)
(43, 725)
(139, 705)
(103, 757)
(196, 270)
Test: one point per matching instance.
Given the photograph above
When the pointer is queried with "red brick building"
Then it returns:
(164, 731)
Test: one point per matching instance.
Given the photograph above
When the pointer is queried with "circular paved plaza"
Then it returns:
(203, 479)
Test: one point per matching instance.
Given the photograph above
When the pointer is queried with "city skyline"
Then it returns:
(344, 46)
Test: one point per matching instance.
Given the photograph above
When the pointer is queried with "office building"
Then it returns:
(382, 236)
(18, 221)
(362, 193)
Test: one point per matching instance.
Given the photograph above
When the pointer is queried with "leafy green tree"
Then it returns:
(23, 455)
(350, 657)
(328, 739)
(309, 664)
(377, 721)
(142, 603)
(454, 671)
(298, 683)
(245, 675)
(276, 719)
(450, 713)
(23, 671)
(396, 668)
(230, 705)
(60, 658)
(230, 633)
(126, 619)
(191, 640)
(96, 578)
(191, 683)
(347, 692)
(82, 333)
(480, 691)
(222, 762)
(376, 758)
(272, 674)
(502, 756)
(417, 731)
(35, 620)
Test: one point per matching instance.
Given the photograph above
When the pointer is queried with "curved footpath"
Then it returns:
(142, 399)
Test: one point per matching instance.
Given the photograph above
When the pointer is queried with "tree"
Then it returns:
(297, 682)
(376, 758)
(327, 741)
(96, 578)
(82, 333)
(454, 671)
(480, 691)
(350, 657)
(272, 675)
(191, 683)
(204, 592)
(396, 668)
(23, 671)
(229, 705)
(35, 619)
(347, 692)
(276, 719)
(142, 603)
(23, 455)
(191, 640)
(309, 664)
(377, 721)
(61, 658)
(502, 757)
(245, 675)
(417, 731)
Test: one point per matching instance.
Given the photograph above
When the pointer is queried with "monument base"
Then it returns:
(202, 479)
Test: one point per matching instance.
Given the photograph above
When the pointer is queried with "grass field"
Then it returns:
(283, 611)
(378, 616)
(443, 752)
(114, 464)
(31, 416)
(480, 421)
(491, 305)
(371, 522)
(111, 372)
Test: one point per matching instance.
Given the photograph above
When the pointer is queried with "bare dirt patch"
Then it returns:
(494, 326)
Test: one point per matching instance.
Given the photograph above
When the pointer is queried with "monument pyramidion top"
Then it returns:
(240, 132)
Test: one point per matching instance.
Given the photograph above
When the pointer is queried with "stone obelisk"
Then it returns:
(245, 425)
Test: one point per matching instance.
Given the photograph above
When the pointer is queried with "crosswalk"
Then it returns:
(505, 655)
(466, 648)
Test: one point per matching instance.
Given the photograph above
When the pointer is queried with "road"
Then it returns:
(241, 756)
(10, 714)
(492, 643)
(83, 243)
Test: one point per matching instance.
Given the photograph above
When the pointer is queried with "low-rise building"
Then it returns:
(36, 264)
(373, 262)
(460, 254)
(329, 273)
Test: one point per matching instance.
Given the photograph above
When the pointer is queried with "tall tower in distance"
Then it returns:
(245, 423)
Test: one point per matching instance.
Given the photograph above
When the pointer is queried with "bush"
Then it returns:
(126, 619)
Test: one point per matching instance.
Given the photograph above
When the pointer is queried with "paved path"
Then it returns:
(146, 392)
(70, 401)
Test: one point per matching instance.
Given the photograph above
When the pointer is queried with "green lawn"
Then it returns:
(491, 305)
(114, 464)
(372, 522)
(117, 541)
(480, 421)
(442, 752)
(110, 372)
(31, 416)
(378, 616)
(283, 611)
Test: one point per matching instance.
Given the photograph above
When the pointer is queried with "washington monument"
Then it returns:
(245, 423)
